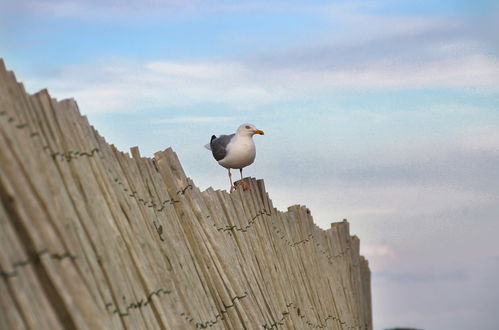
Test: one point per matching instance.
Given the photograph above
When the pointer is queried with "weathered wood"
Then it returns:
(91, 238)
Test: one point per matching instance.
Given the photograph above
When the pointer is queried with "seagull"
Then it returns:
(235, 151)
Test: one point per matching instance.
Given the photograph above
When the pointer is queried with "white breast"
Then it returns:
(241, 152)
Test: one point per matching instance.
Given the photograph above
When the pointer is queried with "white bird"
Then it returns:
(236, 150)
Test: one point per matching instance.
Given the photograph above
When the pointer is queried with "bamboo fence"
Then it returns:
(93, 238)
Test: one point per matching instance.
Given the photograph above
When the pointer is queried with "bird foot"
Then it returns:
(243, 184)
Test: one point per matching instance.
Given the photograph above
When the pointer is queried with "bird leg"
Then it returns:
(242, 183)
(232, 187)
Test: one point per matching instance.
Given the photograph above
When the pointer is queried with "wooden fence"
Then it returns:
(91, 238)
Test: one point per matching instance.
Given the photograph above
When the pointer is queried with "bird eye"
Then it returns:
(247, 127)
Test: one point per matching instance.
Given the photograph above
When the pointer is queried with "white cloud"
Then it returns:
(105, 8)
(367, 51)
(362, 21)
(192, 120)
(377, 250)
(480, 139)
(373, 211)
(460, 72)
(119, 10)
(380, 256)
(110, 86)
(208, 71)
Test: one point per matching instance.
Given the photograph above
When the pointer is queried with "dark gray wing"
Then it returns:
(219, 145)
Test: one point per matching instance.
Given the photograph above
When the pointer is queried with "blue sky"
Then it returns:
(385, 113)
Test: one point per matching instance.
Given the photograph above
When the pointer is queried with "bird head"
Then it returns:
(248, 129)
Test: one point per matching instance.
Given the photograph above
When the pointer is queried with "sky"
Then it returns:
(385, 113)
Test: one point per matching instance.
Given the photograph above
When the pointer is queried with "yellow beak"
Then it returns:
(257, 131)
